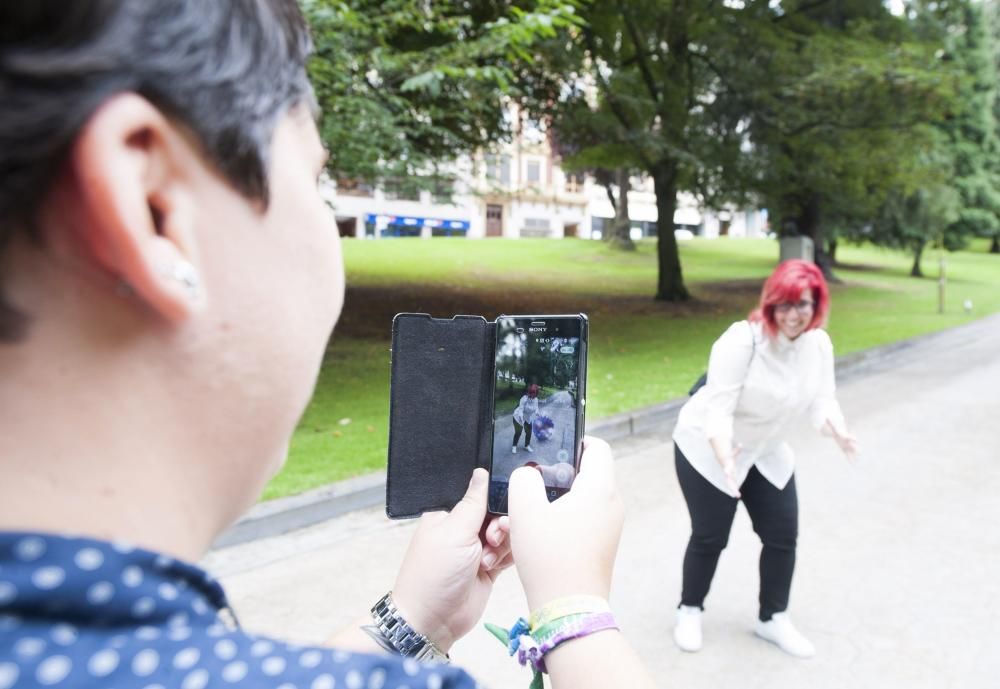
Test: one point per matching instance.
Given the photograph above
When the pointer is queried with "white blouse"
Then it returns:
(757, 389)
(526, 409)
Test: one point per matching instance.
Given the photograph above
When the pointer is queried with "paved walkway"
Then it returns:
(898, 577)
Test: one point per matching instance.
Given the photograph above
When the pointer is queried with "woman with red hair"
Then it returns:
(764, 375)
(524, 414)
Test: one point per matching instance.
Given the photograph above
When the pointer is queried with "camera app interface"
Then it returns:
(535, 403)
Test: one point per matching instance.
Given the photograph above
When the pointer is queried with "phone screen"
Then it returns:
(538, 399)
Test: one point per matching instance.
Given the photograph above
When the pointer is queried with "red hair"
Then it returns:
(785, 285)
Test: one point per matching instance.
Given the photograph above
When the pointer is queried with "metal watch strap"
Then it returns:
(401, 636)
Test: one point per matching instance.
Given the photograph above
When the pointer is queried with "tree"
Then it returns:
(912, 218)
(851, 92)
(970, 127)
(405, 88)
(637, 93)
(952, 190)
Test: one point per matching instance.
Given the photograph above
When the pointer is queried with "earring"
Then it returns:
(185, 273)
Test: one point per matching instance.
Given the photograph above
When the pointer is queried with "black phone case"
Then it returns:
(440, 402)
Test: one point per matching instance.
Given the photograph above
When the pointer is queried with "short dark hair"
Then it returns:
(223, 69)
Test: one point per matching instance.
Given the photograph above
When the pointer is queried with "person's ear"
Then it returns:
(132, 173)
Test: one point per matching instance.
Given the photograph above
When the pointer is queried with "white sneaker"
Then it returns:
(529, 448)
(687, 633)
(780, 631)
(513, 450)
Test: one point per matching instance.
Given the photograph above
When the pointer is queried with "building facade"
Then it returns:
(520, 190)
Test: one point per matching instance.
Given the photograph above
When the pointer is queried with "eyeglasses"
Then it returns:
(805, 306)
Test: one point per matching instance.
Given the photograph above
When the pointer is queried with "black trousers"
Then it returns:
(517, 433)
(775, 517)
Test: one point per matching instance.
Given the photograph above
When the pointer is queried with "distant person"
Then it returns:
(169, 278)
(524, 415)
(765, 374)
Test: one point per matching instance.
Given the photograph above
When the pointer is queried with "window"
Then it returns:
(535, 227)
(498, 168)
(574, 183)
(401, 190)
(442, 192)
(354, 187)
(533, 173)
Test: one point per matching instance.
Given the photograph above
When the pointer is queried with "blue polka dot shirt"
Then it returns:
(77, 612)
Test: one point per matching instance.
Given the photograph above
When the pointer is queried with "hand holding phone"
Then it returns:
(567, 547)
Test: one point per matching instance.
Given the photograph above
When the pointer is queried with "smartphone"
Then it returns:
(539, 396)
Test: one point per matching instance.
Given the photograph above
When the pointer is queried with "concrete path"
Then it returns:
(898, 576)
(552, 448)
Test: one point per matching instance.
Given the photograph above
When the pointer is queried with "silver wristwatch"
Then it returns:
(406, 640)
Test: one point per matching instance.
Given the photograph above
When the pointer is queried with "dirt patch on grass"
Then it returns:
(368, 310)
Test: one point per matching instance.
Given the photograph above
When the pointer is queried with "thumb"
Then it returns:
(470, 512)
(526, 493)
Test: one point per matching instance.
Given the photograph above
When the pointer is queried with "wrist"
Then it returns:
(423, 620)
(407, 632)
(542, 596)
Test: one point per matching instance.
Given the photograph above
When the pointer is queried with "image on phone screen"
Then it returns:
(537, 410)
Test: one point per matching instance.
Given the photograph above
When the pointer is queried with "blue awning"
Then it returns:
(413, 221)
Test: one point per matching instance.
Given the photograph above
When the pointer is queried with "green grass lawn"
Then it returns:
(642, 352)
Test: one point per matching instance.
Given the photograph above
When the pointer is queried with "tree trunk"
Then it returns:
(995, 246)
(670, 282)
(831, 250)
(918, 252)
(621, 234)
(809, 225)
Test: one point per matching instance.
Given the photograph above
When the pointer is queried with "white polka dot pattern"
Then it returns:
(411, 667)
(261, 647)
(64, 634)
(101, 592)
(53, 670)
(8, 675)
(186, 659)
(273, 666)
(225, 649)
(310, 659)
(324, 681)
(235, 671)
(8, 592)
(29, 549)
(132, 576)
(145, 662)
(197, 679)
(103, 663)
(47, 578)
(144, 607)
(89, 559)
(29, 647)
(156, 623)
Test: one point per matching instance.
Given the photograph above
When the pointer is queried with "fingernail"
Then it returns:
(489, 559)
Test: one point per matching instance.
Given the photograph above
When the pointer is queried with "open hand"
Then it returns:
(846, 441)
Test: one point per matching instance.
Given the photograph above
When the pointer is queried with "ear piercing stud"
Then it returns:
(185, 273)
